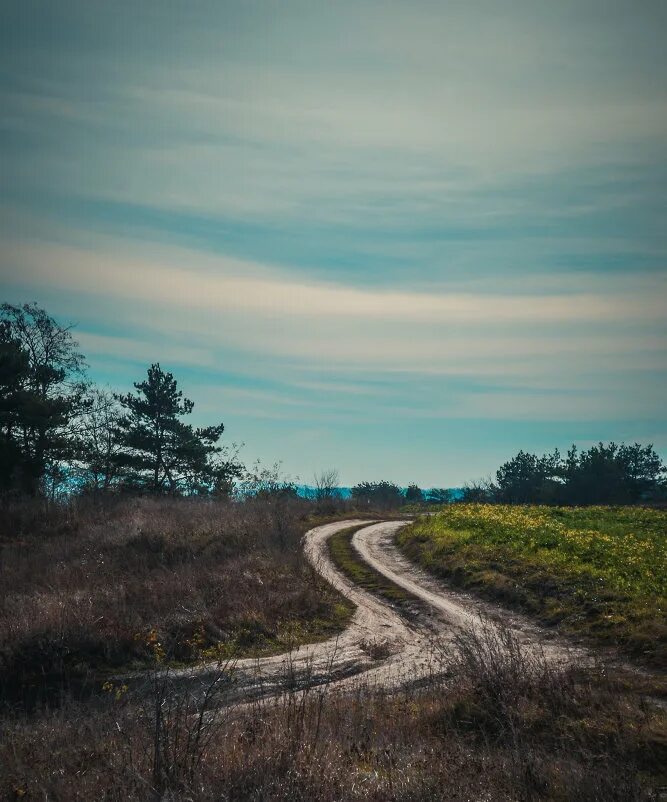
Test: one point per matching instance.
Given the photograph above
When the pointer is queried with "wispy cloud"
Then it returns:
(222, 284)
(350, 215)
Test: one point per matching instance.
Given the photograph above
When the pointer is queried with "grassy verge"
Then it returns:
(598, 572)
(345, 557)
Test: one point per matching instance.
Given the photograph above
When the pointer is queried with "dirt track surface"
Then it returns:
(382, 646)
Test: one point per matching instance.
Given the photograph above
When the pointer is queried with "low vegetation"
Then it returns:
(88, 588)
(597, 571)
(500, 724)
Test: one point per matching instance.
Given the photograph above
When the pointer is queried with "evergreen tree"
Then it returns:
(612, 474)
(414, 494)
(528, 478)
(161, 453)
(39, 397)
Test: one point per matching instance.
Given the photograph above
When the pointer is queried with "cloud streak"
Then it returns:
(442, 221)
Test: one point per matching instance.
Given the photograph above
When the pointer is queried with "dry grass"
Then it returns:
(540, 734)
(87, 588)
(500, 724)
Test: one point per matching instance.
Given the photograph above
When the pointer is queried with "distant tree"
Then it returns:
(41, 394)
(479, 491)
(414, 494)
(603, 474)
(161, 453)
(612, 474)
(327, 493)
(381, 495)
(527, 478)
(326, 484)
(261, 482)
(439, 495)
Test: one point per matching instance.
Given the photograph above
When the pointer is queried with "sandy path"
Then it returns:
(408, 657)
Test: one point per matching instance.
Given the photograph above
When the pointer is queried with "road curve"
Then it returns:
(407, 644)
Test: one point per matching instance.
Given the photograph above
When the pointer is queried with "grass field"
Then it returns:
(598, 571)
(86, 590)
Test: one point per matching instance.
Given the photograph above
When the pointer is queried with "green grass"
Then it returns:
(597, 571)
(347, 560)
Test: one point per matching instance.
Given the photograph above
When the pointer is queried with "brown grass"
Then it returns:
(89, 588)
(555, 734)
(497, 723)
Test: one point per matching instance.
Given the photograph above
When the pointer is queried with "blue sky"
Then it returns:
(403, 239)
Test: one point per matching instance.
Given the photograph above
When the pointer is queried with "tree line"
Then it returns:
(387, 495)
(605, 473)
(58, 430)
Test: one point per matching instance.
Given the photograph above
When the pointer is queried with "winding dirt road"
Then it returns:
(382, 646)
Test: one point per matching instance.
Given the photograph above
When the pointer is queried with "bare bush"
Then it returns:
(502, 670)
(181, 720)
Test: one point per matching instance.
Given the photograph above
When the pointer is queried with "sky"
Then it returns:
(401, 239)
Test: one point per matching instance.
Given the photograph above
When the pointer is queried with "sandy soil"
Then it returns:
(382, 646)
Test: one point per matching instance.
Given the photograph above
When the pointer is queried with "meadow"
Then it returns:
(595, 571)
(501, 725)
(90, 588)
(152, 584)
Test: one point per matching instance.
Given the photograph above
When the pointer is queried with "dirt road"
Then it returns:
(382, 645)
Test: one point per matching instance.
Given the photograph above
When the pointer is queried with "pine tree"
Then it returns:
(38, 397)
(161, 453)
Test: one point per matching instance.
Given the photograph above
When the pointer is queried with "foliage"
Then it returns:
(382, 495)
(612, 474)
(603, 474)
(526, 478)
(439, 495)
(61, 435)
(39, 396)
(414, 494)
(161, 453)
(597, 570)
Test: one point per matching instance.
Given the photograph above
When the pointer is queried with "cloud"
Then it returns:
(223, 285)
(356, 213)
(141, 350)
(579, 345)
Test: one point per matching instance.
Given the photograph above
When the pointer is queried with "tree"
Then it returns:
(40, 395)
(326, 485)
(383, 495)
(603, 474)
(161, 453)
(527, 478)
(612, 474)
(327, 494)
(439, 495)
(14, 375)
(479, 491)
(99, 452)
(414, 494)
